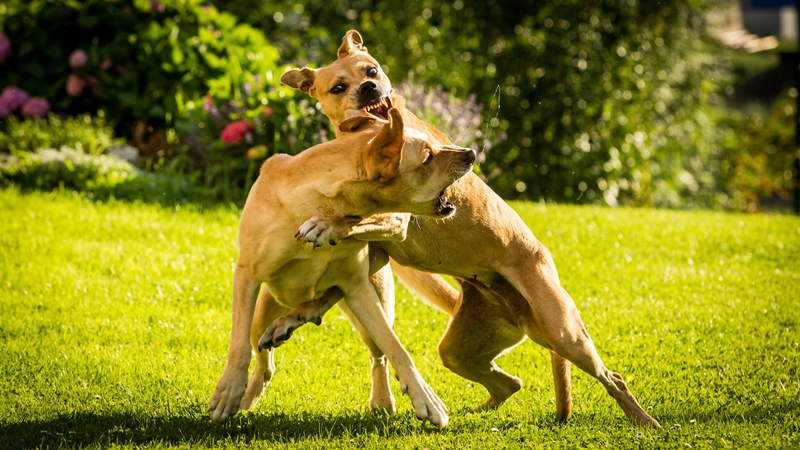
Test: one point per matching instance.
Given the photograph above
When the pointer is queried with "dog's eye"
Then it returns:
(339, 88)
(428, 158)
(372, 72)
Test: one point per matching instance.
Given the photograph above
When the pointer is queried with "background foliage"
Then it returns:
(613, 102)
(165, 74)
(616, 101)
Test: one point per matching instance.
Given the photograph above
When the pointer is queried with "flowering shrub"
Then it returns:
(173, 75)
(226, 138)
(134, 59)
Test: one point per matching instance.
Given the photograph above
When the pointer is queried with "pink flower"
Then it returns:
(75, 85)
(208, 102)
(106, 64)
(5, 48)
(236, 131)
(268, 111)
(78, 58)
(35, 107)
(11, 98)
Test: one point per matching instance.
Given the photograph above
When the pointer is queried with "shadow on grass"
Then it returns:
(138, 429)
(99, 430)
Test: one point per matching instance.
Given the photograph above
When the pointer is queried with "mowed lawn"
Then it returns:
(115, 318)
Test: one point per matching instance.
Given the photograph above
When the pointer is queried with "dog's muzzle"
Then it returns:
(372, 102)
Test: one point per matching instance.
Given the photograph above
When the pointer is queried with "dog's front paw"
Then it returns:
(319, 230)
(427, 405)
(227, 397)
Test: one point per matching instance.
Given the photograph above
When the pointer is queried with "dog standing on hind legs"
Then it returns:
(510, 286)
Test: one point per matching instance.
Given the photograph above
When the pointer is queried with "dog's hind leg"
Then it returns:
(311, 311)
(476, 334)
(380, 395)
(555, 320)
(431, 287)
(563, 385)
(267, 310)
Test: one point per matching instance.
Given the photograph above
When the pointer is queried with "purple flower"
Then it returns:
(35, 107)
(5, 48)
(11, 98)
(78, 58)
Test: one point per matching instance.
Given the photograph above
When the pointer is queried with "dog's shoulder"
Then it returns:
(275, 162)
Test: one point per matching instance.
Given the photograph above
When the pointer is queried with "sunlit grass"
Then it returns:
(115, 319)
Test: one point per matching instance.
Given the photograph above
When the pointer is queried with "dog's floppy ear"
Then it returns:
(351, 42)
(385, 151)
(355, 119)
(301, 79)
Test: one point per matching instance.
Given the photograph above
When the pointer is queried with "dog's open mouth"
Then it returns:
(446, 209)
(379, 107)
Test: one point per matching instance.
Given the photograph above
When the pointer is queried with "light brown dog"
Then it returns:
(510, 286)
(379, 168)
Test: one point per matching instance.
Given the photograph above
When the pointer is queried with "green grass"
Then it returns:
(115, 321)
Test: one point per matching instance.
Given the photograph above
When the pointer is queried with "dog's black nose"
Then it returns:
(368, 88)
(470, 156)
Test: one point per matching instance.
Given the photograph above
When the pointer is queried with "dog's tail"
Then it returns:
(431, 287)
(563, 385)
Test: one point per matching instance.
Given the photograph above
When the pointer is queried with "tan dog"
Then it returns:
(510, 286)
(381, 167)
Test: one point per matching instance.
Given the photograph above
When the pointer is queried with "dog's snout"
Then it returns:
(368, 88)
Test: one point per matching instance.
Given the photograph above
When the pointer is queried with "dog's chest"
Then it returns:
(309, 275)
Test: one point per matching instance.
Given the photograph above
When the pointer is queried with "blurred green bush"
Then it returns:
(619, 102)
(95, 176)
(614, 102)
(84, 132)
